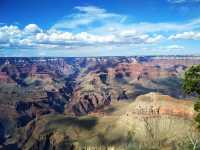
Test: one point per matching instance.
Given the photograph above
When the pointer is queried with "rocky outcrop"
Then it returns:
(155, 104)
(89, 102)
(21, 106)
(28, 111)
(122, 96)
(51, 140)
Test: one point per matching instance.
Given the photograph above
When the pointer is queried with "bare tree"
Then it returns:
(158, 131)
(193, 137)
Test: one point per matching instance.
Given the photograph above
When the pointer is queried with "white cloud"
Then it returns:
(175, 47)
(97, 20)
(85, 38)
(54, 37)
(90, 38)
(87, 15)
(9, 32)
(170, 48)
(95, 27)
(91, 9)
(155, 39)
(32, 28)
(3, 37)
(17, 38)
(186, 36)
(148, 27)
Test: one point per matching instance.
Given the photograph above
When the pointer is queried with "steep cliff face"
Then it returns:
(101, 83)
(89, 102)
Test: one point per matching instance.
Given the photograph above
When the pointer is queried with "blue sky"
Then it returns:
(99, 27)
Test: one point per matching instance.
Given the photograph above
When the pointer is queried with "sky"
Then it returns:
(68, 28)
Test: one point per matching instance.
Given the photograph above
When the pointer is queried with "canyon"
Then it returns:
(39, 97)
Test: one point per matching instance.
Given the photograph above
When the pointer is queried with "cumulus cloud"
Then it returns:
(3, 37)
(9, 32)
(32, 28)
(18, 38)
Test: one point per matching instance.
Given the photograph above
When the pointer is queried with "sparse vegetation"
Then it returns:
(117, 132)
